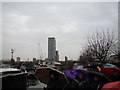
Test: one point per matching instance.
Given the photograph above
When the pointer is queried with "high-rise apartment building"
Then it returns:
(51, 48)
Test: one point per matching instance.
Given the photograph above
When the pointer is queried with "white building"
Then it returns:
(18, 59)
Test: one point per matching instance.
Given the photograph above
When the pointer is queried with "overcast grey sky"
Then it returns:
(24, 25)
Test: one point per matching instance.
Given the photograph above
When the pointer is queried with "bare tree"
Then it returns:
(114, 49)
(99, 46)
(87, 55)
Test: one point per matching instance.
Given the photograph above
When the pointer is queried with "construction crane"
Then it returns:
(40, 52)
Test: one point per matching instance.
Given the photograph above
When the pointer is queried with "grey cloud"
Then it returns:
(26, 24)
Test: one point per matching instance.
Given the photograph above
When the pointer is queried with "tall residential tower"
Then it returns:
(51, 48)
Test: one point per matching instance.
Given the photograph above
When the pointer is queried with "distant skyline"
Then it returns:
(25, 24)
